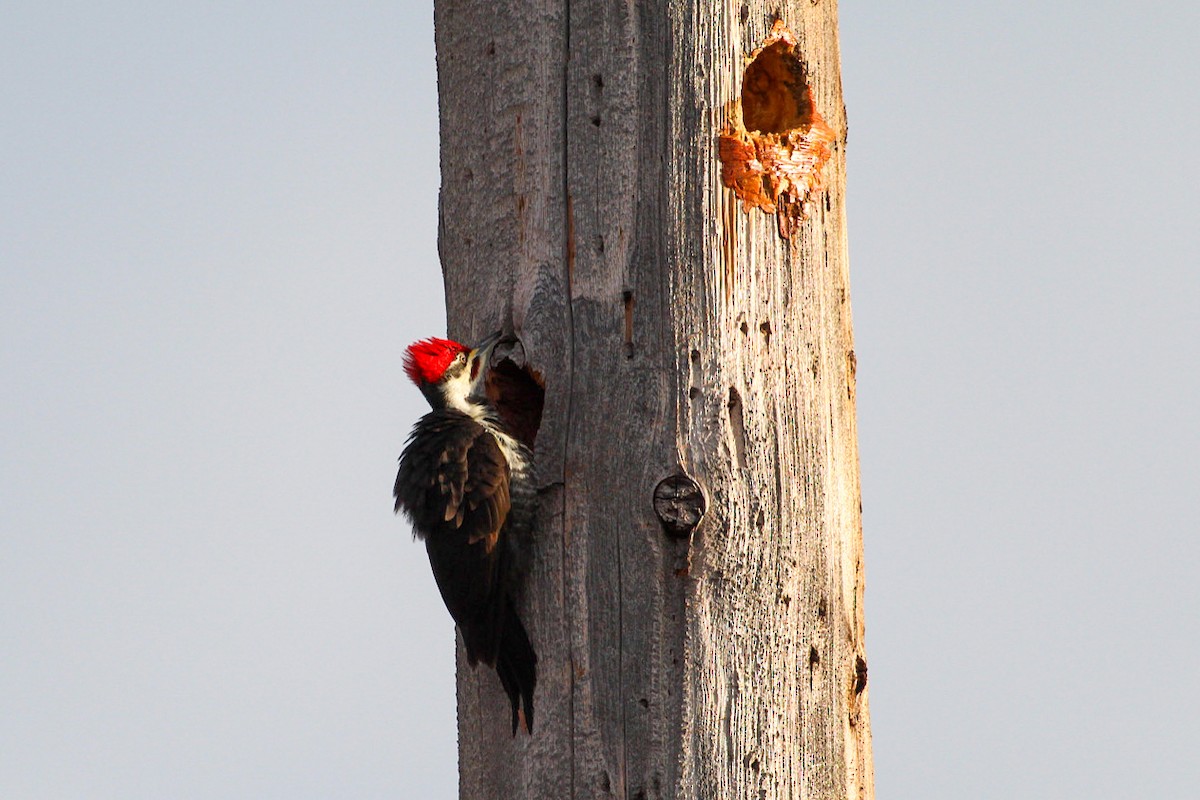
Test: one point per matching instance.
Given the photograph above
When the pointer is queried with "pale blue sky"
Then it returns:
(218, 230)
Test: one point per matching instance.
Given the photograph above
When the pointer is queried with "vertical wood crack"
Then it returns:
(568, 413)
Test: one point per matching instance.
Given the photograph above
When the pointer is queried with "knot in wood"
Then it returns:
(679, 504)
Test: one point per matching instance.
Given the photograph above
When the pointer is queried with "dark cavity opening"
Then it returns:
(518, 394)
(775, 94)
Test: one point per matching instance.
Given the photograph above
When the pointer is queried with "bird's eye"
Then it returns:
(461, 357)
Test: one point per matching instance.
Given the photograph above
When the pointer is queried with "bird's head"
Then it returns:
(450, 374)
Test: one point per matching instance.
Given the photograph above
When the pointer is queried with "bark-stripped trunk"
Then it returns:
(676, 335)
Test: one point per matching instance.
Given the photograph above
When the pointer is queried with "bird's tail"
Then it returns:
(516, 664)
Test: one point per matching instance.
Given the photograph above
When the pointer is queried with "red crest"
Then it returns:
(426, 361)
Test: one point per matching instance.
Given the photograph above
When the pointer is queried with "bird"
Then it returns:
(467, 486)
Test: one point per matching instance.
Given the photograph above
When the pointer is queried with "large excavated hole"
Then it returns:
(775, 92)
(775, 143)
(518, 394)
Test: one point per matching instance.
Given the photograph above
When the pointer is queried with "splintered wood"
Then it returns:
(776, 143)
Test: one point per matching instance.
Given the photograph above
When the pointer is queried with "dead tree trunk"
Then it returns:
(662, 222)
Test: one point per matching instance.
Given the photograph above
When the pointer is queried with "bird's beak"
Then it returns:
(479, 360)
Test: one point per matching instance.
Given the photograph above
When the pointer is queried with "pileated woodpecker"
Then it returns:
(467, 486)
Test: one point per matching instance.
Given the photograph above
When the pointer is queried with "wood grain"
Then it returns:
(582, 204)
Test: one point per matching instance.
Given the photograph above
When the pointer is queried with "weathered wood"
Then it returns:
(676, 335)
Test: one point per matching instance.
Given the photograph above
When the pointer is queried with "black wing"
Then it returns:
(453, 485)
